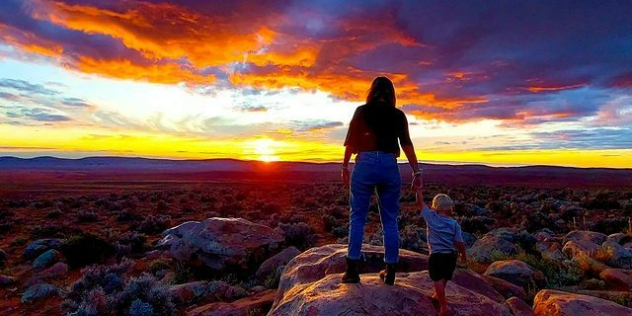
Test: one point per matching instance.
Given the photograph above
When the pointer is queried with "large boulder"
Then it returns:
(39, 246)
(476, 283)
(244, 307)
(519, 307)
(617, 279)
(485, 249)
(514, 271)
(584, 235)
(557, 303)
(411, 295)
(617, 256)
(315, 263)
(589, 265)
(191, 292)
(574, 249)
(222, 243)
(271, 265)
(550, 251)
(505, 288)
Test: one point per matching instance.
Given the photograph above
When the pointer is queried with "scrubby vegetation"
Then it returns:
(97, 231)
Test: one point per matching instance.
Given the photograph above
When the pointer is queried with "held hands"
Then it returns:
(418, 182)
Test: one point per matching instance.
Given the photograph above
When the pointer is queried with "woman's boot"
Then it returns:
(352, 275)
(388, 275)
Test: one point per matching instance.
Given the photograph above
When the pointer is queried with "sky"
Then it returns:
(492, 82)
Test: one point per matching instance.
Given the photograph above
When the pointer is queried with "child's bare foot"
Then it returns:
(444, 311)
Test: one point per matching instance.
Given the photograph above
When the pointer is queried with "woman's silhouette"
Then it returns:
(373, 135)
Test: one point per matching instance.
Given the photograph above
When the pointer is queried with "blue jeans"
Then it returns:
(375, 171)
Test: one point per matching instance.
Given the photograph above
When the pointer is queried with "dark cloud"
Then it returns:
(27, 87)
(525, 62)
(75, 102)
(9, 96)
(37, 114)
(314, 125)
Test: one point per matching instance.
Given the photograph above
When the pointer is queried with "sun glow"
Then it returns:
(264, 149)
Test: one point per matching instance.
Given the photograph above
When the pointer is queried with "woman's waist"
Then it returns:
(376, 156)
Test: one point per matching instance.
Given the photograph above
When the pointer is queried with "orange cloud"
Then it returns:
(165, 73)
(555, 88)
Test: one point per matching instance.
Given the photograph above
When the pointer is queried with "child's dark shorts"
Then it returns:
(441, 266)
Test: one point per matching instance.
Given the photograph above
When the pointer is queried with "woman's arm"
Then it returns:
(409, 151)
(349, 150)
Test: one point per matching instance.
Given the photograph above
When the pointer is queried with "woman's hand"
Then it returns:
(345, 176)
(418, 182)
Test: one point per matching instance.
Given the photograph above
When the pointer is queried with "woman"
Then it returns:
(373, 135)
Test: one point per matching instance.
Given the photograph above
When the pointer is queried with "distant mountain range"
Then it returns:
(232, 169)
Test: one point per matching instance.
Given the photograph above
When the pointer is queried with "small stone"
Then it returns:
(38, 291)
(6, 280)
(47, 259)
(39, 246)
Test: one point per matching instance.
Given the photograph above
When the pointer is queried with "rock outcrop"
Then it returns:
(222, 243)
(271, 265)
(310, 285)
(252, 305)
(514, 271)
(484, 249)
(584, 235)
(315, 263)
(557, 303)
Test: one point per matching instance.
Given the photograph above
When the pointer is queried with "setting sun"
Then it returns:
(264, 149)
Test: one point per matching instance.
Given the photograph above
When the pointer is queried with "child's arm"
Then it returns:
(420, 199)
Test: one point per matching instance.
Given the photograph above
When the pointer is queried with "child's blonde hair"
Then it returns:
(442, 202)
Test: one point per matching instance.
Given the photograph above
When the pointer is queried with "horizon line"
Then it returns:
(399, 161)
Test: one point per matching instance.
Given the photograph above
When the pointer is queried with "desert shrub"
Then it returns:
(340, 231)
(600, 202)
(6, 214)
(183, 273)
(476, 224)
(299, 235)
(144, 295)
(154, 224)
(84, 249)
(107, 290)
(538, 220)
(570, 212)
(610, 225)
(337, 211)
(48, 230)
(135, 240)
(329, 222)
(20, 241)
(469, 210)
(126, 216)
(56, 213)
(558, 274)
(5, 225)
(84, 216)
(594, 284)
(413, 238)
(162, 206)
(158, 265)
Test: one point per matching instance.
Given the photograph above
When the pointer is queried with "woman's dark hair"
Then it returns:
(382, 87)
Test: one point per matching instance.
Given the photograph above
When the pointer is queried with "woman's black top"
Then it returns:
(377, 127)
